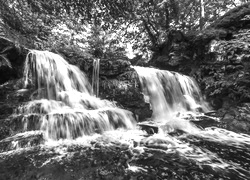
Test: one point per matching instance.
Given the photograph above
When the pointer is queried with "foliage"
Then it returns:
(227, 75)
(4, 61)
(89, 24)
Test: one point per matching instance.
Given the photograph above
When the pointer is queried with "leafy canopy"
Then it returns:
(90, 24)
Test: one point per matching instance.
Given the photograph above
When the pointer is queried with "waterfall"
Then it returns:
(95, 77)
(63, 100)
(52, 75)
(64, 111)
(170, 94)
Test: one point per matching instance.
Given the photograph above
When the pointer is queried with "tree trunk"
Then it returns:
(202, 14)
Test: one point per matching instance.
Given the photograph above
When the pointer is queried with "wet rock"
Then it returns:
(21, 122)
(205, 121)
(66, 162)
(10, 98)
(125, 90)
(155, 160)
(22, 140)
(149, 128)
(236, 119)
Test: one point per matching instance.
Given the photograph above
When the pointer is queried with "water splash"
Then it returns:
(64, 101)
(95, 77)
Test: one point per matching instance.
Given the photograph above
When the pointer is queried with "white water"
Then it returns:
(64, 101)
(95, 77)
(172, 96)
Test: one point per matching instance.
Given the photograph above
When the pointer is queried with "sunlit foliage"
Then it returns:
(89, 24)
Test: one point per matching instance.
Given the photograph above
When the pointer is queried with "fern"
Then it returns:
(4, 61)
(6, 49)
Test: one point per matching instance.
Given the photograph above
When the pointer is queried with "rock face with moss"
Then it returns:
(125, 90)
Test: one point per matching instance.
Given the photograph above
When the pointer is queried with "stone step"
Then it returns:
(21, 123)
(205, 121)
(21, 140)
(149, 127)
(71, 124)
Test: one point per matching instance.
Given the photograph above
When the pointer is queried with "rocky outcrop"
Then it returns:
(112, 68)
(11, 96)
(236, 118)
(226, 77)
(126, 91)
(12, 58)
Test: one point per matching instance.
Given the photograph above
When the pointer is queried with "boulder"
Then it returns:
(236, 118)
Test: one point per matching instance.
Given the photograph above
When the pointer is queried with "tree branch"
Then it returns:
(151, 35)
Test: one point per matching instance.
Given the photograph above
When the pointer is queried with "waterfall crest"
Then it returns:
(64, 101)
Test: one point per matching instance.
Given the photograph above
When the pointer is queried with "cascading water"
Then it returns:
(63, 100)
(95, 77)
(171, 95)
(63, 107)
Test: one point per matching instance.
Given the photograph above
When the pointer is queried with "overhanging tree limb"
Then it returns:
(232, 18)
(151, 35)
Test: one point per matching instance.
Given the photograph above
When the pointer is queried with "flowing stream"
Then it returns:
(64, 107)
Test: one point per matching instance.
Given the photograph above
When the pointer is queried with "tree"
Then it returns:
(202, 14)
(143, 23)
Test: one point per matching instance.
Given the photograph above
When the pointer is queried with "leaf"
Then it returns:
(6, 49)
(4, 61)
